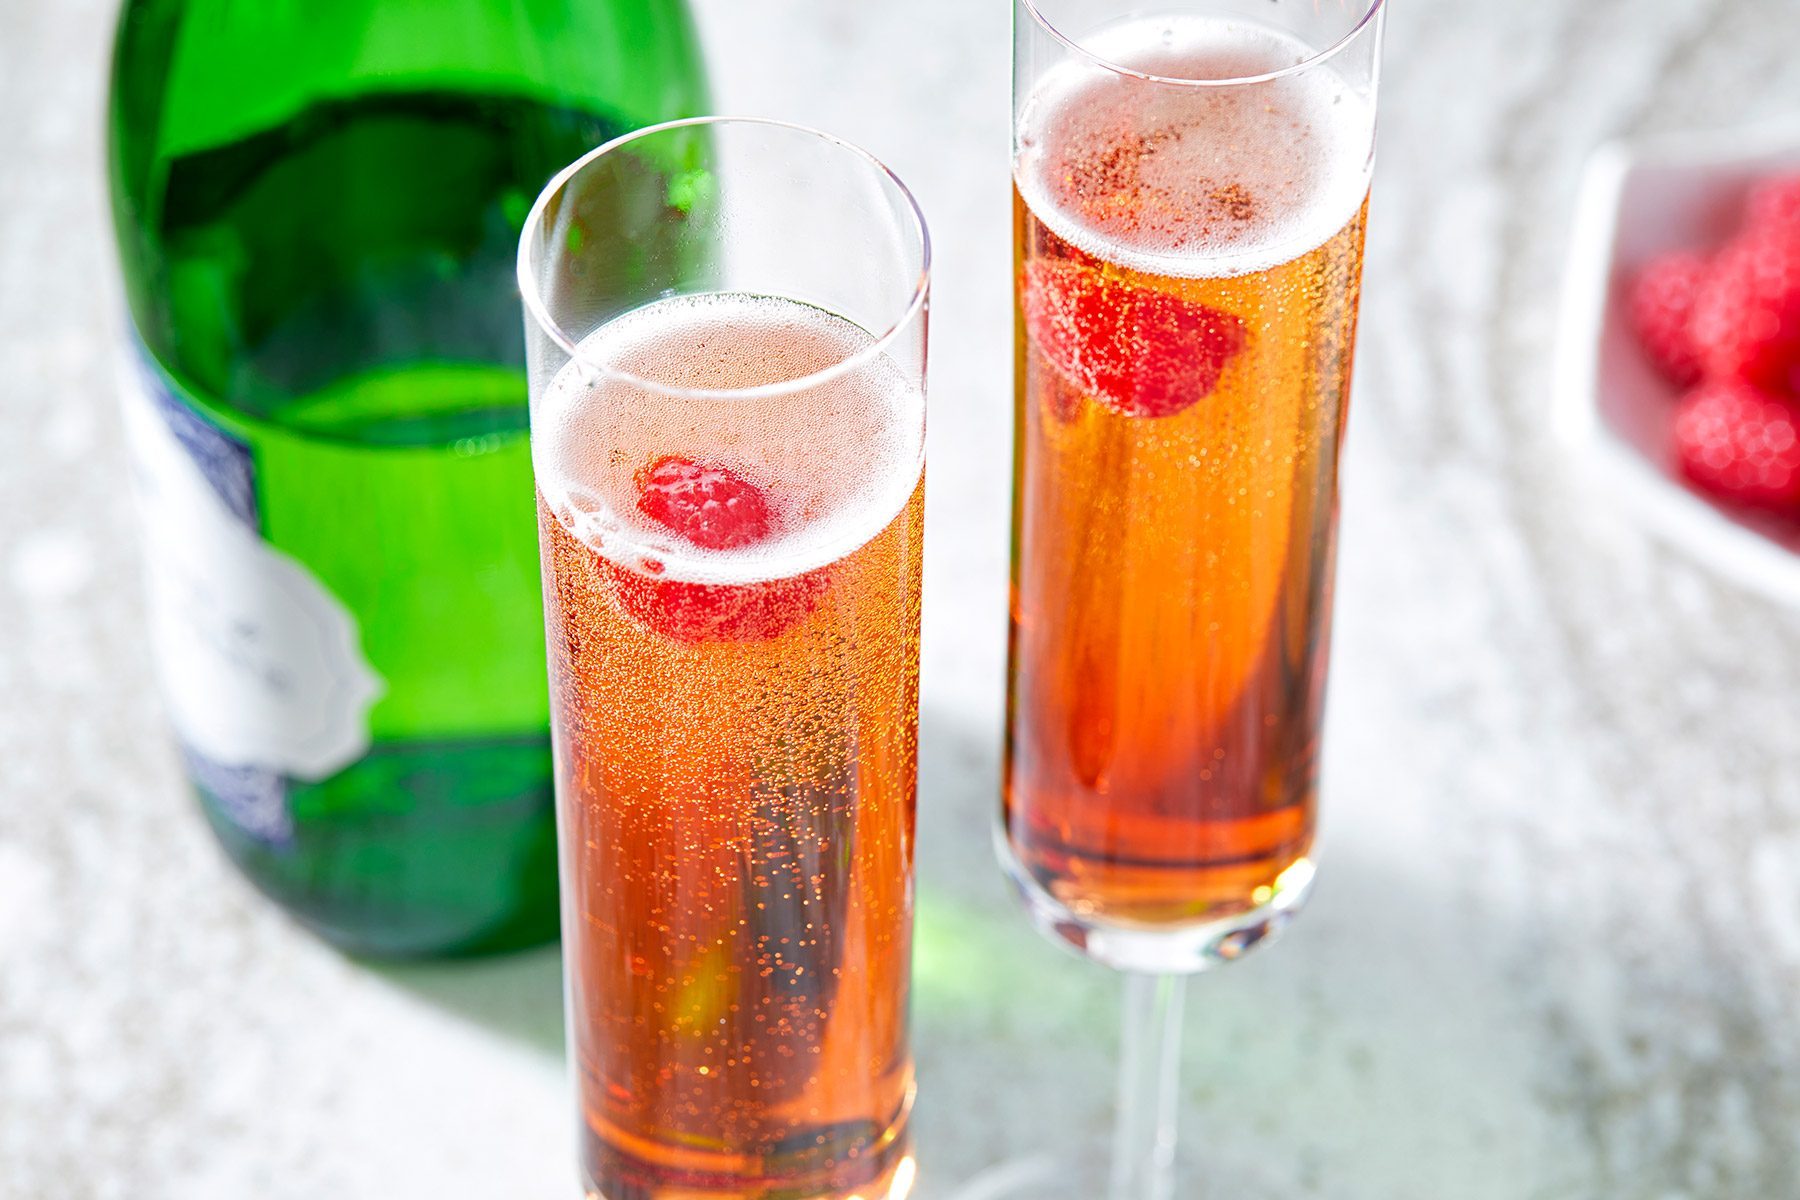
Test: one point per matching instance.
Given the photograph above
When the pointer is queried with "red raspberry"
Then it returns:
(707, 504)
(1141, 352)
(1740, 443)
(1775, 204)
(1661, 305)
(1746, 320)
(716, 509)
(719, 612)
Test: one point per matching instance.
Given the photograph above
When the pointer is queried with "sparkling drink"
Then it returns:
(732, 595)
(1188, 266)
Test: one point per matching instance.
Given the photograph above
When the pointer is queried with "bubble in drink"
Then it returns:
(732, 586)
(835, 459)
(1195, 181)
(1189, 259)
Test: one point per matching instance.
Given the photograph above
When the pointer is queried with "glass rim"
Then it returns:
(538, 311)
(1372, 10)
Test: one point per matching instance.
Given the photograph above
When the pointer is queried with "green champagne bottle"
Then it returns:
(318, 205)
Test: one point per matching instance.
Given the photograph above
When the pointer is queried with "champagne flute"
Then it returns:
(726, 334)
(1191, 189)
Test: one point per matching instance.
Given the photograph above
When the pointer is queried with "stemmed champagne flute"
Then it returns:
(1191, 191)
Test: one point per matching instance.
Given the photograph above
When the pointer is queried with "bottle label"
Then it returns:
(262, 668)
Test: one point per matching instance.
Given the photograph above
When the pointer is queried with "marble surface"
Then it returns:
(1555, 950)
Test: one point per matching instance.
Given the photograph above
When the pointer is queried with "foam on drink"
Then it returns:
(793, 398)
(1191, 179)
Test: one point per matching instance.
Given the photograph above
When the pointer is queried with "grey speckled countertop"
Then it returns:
(1555, 953)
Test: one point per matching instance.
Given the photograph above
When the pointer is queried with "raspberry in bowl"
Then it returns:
(1679, 374)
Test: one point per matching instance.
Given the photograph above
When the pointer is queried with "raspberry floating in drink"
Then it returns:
(714, 508)
(710, 505)
(1142, 352)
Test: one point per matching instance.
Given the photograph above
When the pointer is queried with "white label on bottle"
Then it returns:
(262, 668)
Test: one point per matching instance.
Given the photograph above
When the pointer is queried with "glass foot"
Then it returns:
(1162, 950)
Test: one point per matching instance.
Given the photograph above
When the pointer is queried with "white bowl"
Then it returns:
(1639, 200)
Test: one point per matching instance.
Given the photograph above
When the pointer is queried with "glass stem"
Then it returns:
(1144, 1140)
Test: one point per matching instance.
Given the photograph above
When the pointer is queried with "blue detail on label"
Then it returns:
(254, 799)
(223, 460)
